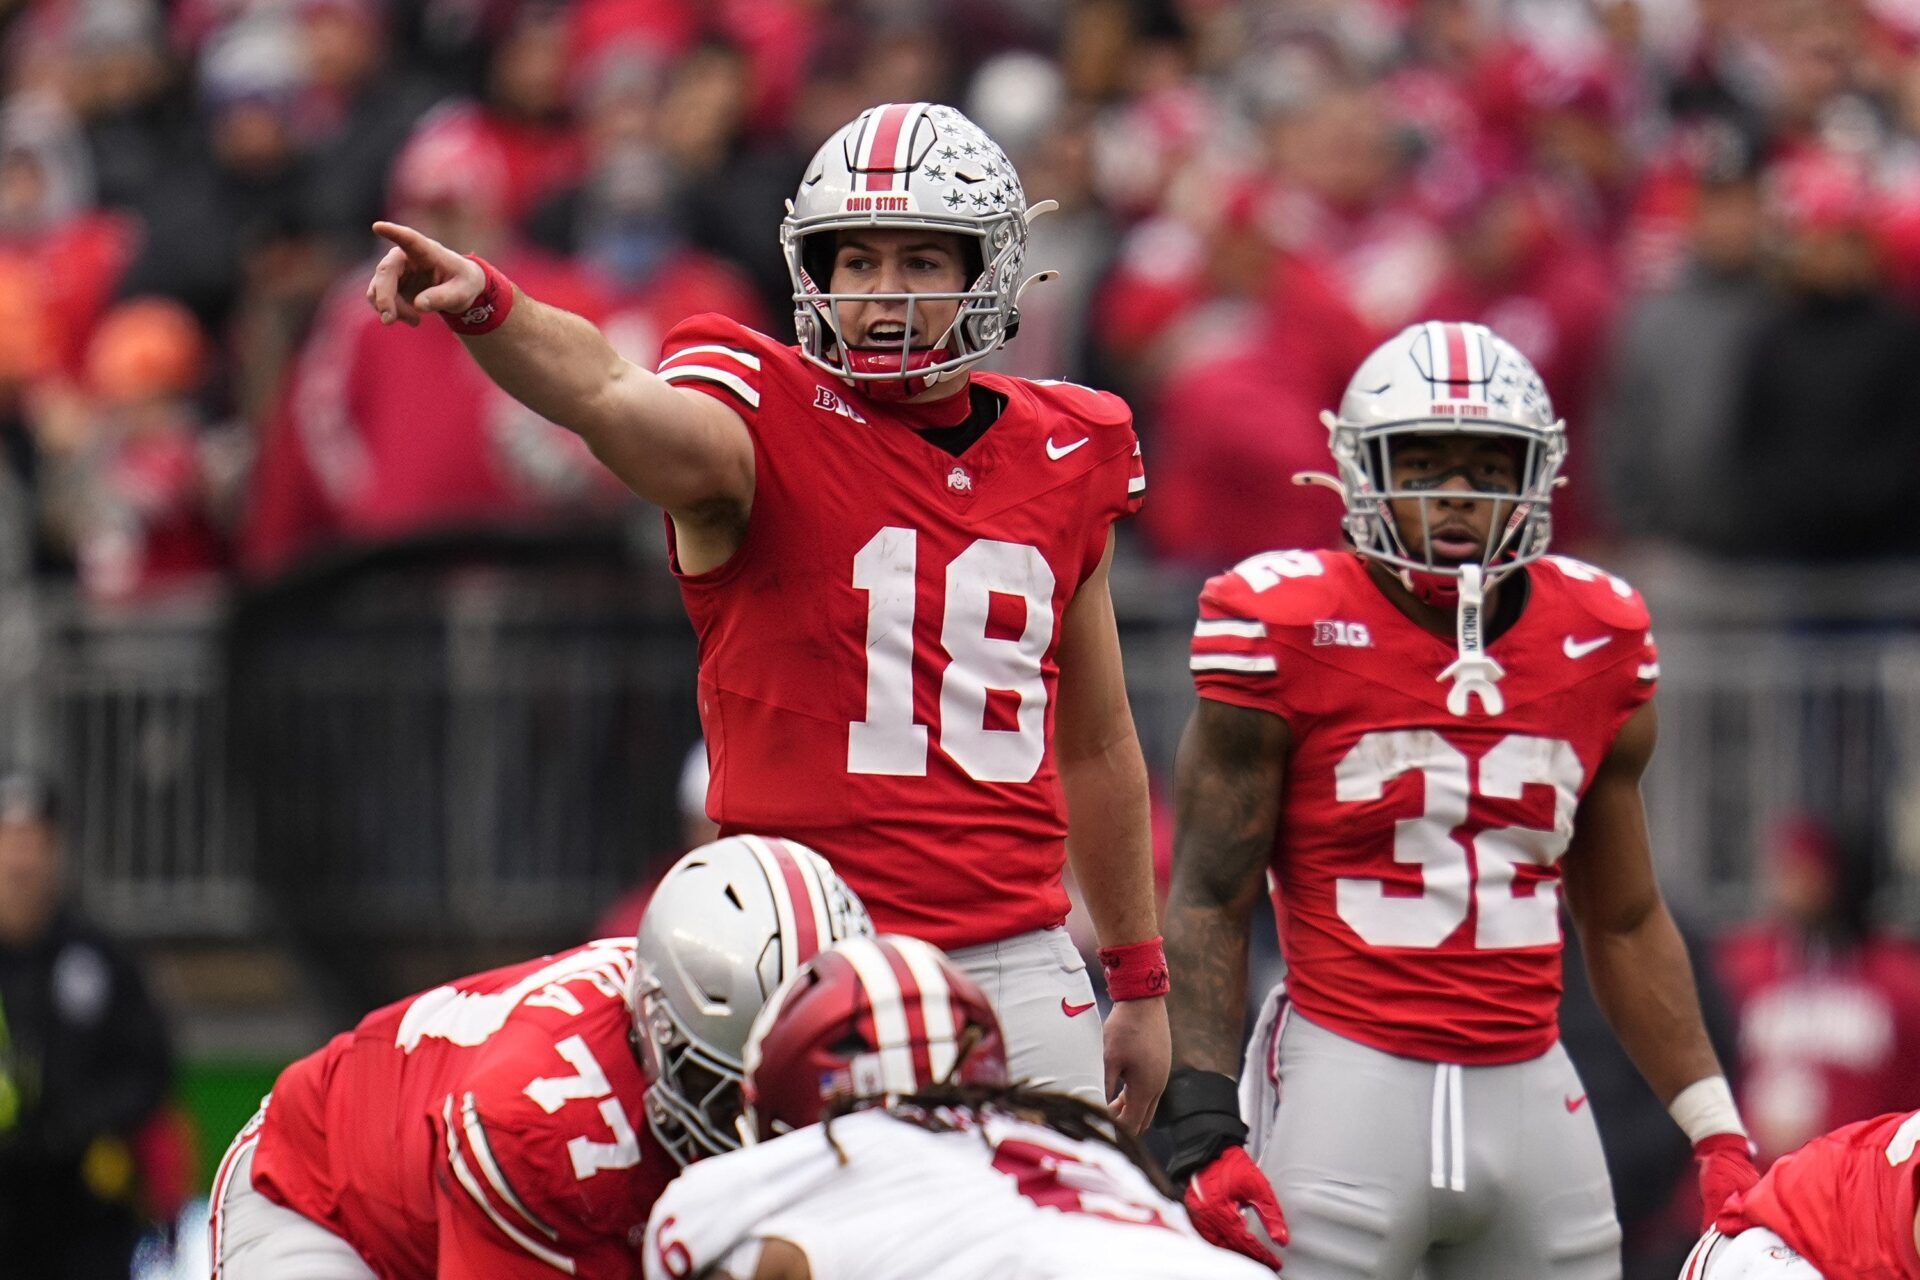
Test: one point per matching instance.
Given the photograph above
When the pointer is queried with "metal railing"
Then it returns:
(464, 749)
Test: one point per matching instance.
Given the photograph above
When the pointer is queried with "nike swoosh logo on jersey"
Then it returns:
(1581, 648)
(1074, 1010)
(1574, 1104)
(1056, 452)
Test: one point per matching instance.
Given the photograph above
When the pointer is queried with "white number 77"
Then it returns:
(554, 1092)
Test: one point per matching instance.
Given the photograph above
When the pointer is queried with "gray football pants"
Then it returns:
(1390, 1167)
(1039, 986)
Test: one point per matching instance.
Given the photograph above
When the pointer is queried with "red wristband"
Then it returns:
(1136, 971)
(490, 310)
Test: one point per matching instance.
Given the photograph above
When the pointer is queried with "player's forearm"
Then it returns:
(552, 361)
(1207, 961)
(1109, 840)
(1226, 801)
(1644, 984)
(658, 441)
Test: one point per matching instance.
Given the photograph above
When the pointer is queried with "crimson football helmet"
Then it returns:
(868, 1018)
(909, 165)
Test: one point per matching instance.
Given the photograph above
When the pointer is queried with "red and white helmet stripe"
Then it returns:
(1459, 360)
(799, 899)
(884, 147)
(914, 1016)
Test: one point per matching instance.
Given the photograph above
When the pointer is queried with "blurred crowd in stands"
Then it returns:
(1700, 218)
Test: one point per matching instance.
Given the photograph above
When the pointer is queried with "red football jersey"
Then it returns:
(1845, 1201)
(489, 1128)
(1415, 866)
(878, 659)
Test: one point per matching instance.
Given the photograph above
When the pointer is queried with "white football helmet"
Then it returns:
(909, 165)
(1442, 377)
(727, 925)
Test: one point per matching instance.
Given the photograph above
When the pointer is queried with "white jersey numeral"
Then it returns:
(886, 740)
(1905, 1139)
(590, 1157)
(588, 1081)
(1448, 882)
(469, 1018)
(1270, 568)
(1581, 571)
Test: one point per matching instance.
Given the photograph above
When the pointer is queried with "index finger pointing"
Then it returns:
(411, 242)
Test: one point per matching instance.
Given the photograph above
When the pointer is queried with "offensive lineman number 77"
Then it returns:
(887, 741)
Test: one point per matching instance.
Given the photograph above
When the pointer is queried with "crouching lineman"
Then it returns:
(493, 1129)
(1418, 743)
(1840, 1208)
(884, 1142)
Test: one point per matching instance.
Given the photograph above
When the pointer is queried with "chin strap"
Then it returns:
(1473, 673)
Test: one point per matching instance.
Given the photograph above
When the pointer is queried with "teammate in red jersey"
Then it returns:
(521, 1122)
(1843, 1207)
(897, 567)
(1418, 743)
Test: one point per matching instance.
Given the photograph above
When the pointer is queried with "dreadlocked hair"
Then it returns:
(949, 1108)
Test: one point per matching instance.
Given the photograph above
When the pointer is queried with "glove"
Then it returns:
(1726, 1169)
(1201, 1113)
(1219, 1194)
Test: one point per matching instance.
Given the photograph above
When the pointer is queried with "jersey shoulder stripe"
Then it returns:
(504, 1201)
(719, 356)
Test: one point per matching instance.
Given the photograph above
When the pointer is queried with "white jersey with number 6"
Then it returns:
(886, 1199)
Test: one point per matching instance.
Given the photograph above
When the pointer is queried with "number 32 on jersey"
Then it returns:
(886, 740)
(1450, 881)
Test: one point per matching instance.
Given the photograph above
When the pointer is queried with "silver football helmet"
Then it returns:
(909, 165)
(1463, 379)
(726, 926)
(1442, 377)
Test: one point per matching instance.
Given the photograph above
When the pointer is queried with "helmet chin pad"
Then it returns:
(1441, 590)
(882, 361)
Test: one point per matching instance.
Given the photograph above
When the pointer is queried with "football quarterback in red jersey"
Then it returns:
(1843, 1207)
(1419, 743)
(519, 1123)
(897, 568)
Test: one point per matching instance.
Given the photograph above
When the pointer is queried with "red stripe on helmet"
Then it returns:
(912, 999)
(806, 933)
(886, 139)
(1457, 361)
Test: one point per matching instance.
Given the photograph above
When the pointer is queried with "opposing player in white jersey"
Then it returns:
(884, 1142)
(1416, 745)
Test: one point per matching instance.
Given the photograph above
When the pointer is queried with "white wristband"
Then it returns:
(1705, 1108)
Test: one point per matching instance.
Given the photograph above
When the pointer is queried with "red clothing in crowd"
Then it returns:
(1825, 1038)
(386, 431)
(1231, 429)
(1556, 305)
(688, 283)
(151, 527)
(54, 287)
